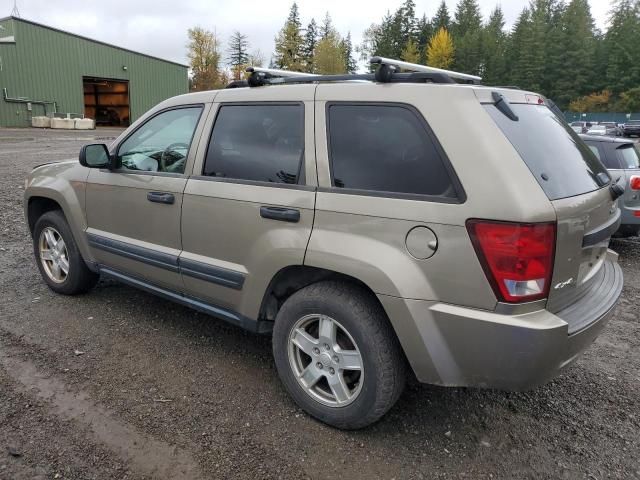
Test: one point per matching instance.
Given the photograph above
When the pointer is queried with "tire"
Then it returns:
(362, 330)
(78, 278)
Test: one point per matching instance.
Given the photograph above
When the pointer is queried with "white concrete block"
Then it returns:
(41, 122)
(63, 123)
(85, 124)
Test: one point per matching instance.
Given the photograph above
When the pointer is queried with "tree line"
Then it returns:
(554, 48)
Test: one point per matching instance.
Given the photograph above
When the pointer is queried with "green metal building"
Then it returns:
(46, 71)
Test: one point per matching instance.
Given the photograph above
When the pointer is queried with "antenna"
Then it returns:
(414, 67)
(15, 12)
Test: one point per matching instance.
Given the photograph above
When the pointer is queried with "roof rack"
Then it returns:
(386, 72)
(414, 67)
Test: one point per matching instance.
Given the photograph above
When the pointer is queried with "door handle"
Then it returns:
(282, 214)
(161, 197)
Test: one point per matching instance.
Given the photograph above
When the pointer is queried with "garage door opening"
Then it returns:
(106, 101)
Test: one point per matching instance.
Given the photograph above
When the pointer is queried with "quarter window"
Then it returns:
(263, 143)
(628, 156)
(385, 148)
(162, 143)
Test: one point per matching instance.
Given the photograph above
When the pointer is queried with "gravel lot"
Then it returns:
(120, 384)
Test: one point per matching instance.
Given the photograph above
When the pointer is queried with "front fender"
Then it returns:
(63, 183)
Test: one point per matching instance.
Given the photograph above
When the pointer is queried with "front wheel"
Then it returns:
(58, 257)
(337, 354)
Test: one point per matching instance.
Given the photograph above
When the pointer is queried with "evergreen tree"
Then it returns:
(442, 18)
(440, 52)
(494, 43)
(237, 54)
(622, 43)
(520, 51)
(326, 28)
(467, 32)
(386, 40)
(310, 43)
(406, 19)
(574, 73)
(289, 43)
(347, 52)
(424, 33)
(410, 53)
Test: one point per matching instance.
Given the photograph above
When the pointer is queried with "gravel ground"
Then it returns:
(121, 384)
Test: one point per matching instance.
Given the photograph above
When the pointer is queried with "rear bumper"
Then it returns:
(458, 346)
(628, 216)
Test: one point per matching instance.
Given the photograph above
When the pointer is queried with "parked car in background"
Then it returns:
(580, 127)
(349, 222)
(599, 130)
(623, 162)
(631, 128)
(613, 128)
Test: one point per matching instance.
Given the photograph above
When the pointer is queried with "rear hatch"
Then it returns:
(577, 185)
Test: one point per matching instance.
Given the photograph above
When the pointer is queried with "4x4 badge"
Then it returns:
(560, 285)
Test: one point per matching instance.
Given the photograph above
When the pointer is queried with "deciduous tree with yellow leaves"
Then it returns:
(440, 52)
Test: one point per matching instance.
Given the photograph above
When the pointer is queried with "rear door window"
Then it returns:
(386, 148)
(605, 153)
(258, 142)
(560, 161)
(628, 156)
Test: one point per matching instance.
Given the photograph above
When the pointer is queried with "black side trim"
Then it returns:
(191, 268)
(209, 273)
(213, 310)
(603, 233)
(141, 254)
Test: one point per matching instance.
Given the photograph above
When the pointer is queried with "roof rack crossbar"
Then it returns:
(387, 72)
(424, 68)
(274, 72)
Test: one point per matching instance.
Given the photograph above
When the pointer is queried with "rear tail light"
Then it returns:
(634, 182)
(517, 257)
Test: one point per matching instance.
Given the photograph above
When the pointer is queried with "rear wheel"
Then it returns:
(58, 257)
(337, 355)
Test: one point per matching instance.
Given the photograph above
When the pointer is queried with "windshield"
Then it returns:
(561, 162)
(628, 156)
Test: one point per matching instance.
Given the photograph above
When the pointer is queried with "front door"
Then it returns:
(133, 212)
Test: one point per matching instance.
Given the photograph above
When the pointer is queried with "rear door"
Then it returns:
(248, 206)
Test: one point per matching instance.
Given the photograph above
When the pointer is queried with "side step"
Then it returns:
(229, 316)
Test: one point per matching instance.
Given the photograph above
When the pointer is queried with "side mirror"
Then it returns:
(95, 156)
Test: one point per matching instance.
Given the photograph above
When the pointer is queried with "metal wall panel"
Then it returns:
(47, 64)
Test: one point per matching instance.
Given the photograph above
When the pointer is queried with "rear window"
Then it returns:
(628, 156)
(562, 164)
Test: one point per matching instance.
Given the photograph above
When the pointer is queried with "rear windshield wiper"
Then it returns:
(503, 105)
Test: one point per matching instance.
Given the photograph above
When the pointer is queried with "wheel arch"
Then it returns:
(41, 200)
(290, 279)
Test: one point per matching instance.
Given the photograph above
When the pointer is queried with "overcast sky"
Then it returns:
(159, 27)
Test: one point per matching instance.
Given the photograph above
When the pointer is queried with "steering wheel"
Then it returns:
(163, 156)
